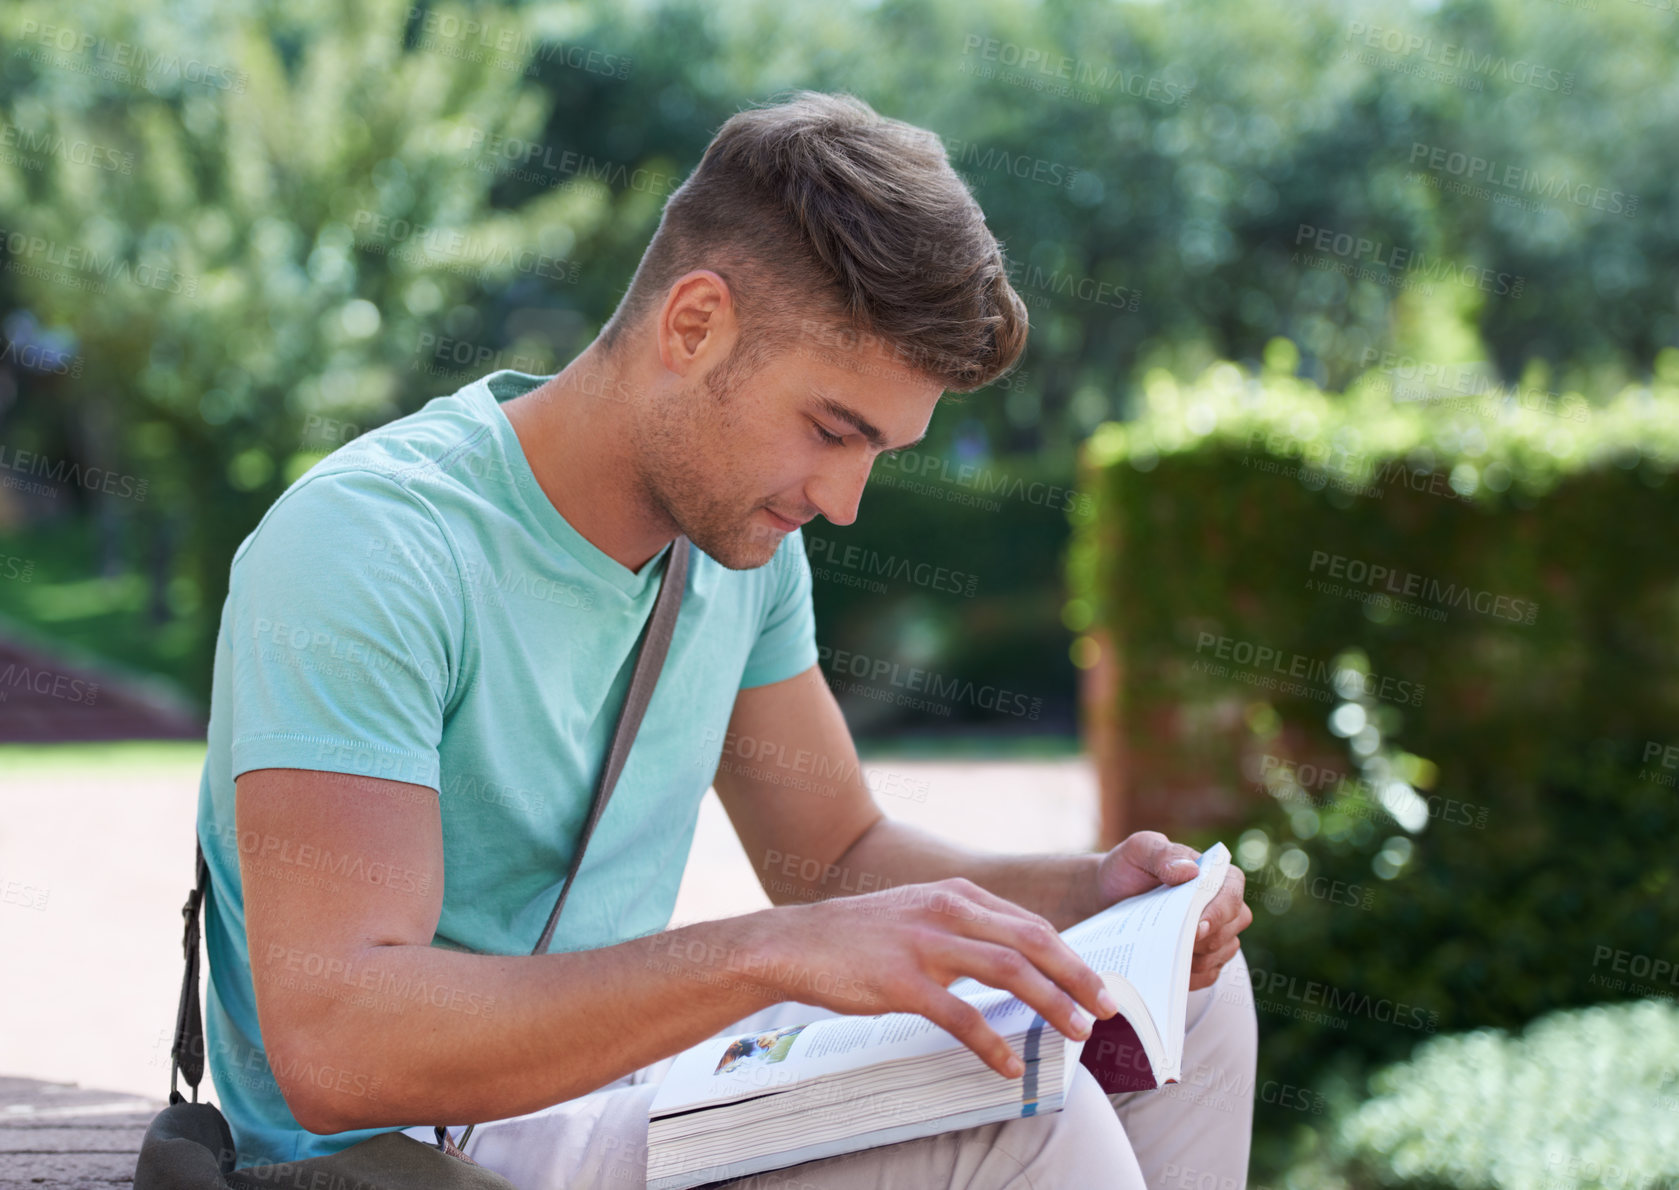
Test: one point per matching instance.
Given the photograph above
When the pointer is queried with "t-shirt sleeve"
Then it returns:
(786, 643)
(343, 626)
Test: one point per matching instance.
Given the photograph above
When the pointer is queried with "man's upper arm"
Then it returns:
(791, 782)
(333, 868)
(342, 644)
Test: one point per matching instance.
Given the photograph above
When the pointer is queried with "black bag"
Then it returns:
(189, 1146)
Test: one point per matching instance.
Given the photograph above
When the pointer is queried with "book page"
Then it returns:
(724, 1069)
(1139, 937)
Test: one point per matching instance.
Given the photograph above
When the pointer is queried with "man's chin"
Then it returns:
(745, 550)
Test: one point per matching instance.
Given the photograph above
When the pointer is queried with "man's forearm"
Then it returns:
(414, 1034)
(1062, 888)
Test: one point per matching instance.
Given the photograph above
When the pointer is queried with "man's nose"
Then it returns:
(837, 492)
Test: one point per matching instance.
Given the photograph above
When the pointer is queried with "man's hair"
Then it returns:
(832, 222)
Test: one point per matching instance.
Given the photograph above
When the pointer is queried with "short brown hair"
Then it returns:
(819, 207)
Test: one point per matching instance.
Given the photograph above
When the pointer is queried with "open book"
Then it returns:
(734, 1106)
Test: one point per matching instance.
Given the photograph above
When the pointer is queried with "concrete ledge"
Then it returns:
(60, 1136)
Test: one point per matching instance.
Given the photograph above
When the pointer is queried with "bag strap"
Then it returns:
(186, 1056)
(655, 643)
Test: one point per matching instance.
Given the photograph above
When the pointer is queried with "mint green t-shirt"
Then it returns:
(414, 608)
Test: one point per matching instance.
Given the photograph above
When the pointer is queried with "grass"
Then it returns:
(970, 746)
(127, 755)
(102, 619)
(130, 755)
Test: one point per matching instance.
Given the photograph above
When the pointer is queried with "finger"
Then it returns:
(1218, 936)
(996, 920)
(1006, 968)
(1166, 861)
(1216, 956)
(1204, 971)
(967, 1024)
(1226, 906)
(1214, 942)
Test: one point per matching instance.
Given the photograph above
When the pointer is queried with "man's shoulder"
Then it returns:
(395, 479)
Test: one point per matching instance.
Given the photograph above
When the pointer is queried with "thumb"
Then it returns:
(1166, 861)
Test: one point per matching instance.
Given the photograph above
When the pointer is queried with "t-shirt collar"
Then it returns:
(504, 385)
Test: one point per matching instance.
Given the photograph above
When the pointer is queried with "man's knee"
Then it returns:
(1227, 1011)
(1053, 1148)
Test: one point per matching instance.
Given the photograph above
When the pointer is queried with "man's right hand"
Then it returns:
(899, 950)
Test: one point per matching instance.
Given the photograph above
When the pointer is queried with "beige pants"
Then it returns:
(1191, 1135)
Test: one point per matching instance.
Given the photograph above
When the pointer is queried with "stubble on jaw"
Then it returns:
(674, 475)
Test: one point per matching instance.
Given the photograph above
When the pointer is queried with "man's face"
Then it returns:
(737, 470)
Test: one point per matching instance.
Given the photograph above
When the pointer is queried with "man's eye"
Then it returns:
(830, 439)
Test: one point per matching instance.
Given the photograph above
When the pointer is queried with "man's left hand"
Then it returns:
(1149, 859)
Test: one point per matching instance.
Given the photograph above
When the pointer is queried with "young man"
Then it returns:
(423, 651)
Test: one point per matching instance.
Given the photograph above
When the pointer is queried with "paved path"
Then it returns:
(95, 858)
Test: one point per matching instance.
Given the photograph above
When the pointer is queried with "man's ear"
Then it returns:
(696, 326)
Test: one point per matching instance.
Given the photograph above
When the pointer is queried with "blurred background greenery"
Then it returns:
(1384, 283)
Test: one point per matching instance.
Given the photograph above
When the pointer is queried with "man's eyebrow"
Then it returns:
(858, 422)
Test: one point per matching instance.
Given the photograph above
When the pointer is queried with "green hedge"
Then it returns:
(1451, 817)
(1584, 1099)
(952, 572)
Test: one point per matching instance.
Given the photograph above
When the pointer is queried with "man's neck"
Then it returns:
(577, 432)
